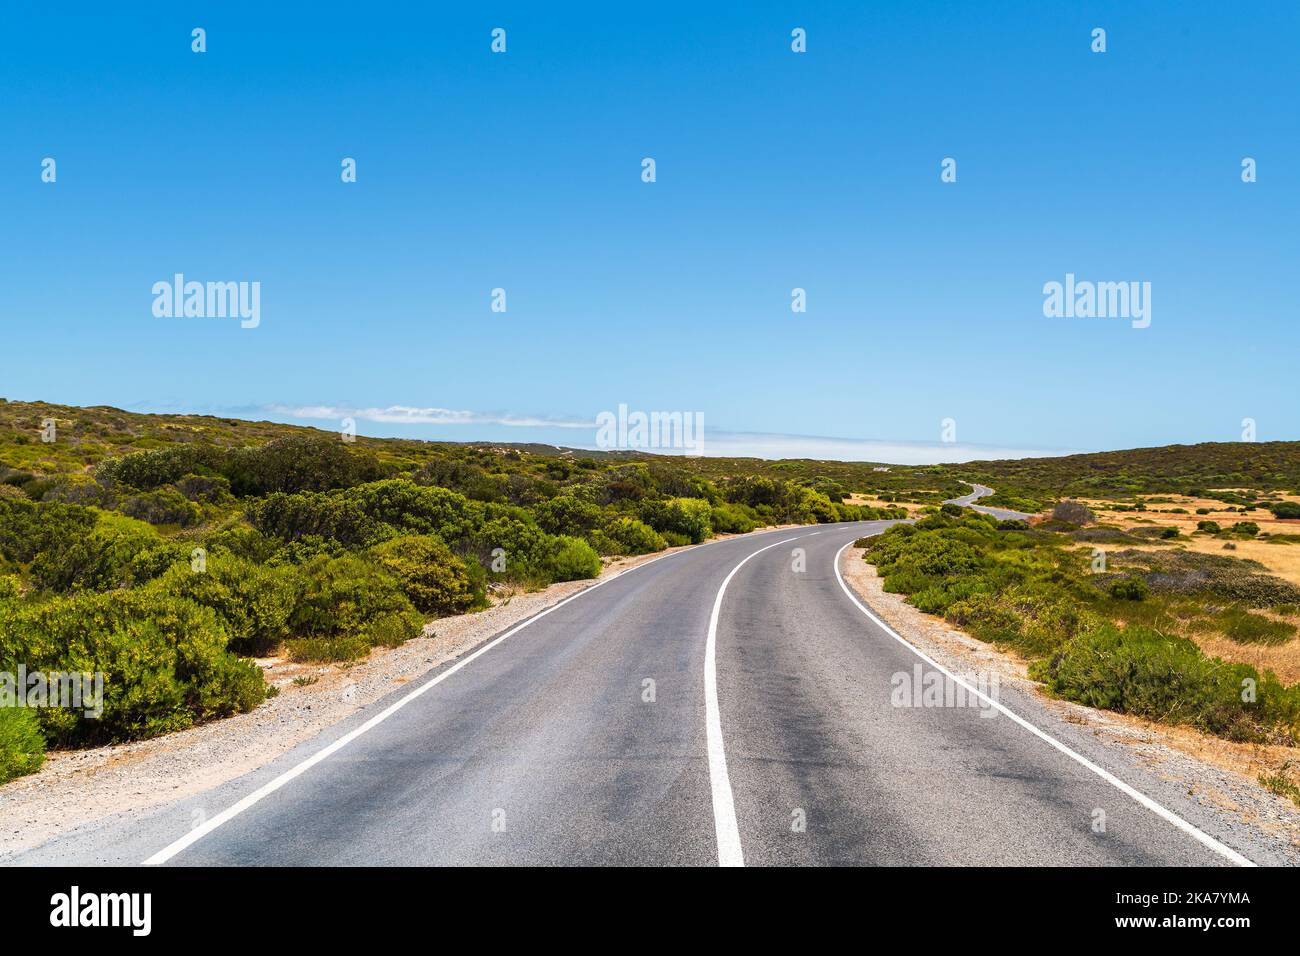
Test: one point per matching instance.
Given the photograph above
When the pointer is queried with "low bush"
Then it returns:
(254, 601)
(22, 746)
(688, 517)
(163, 506)
(633, 537)
(165, 662)
(732, 519)
(573, 559)
(99, 560)
(436, 581)
(1130, 589)
(1137, 670)
(292, 517)
(1246, 628)
(344, 598)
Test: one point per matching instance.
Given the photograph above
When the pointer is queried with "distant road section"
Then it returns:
(983, 491)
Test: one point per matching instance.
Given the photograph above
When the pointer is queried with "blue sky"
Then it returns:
(775, 170)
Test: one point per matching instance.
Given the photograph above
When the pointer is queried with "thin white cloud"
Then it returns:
(719, 444)
(716, 444)
(408, 415)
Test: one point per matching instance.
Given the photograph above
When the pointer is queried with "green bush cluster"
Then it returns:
(435, 580)
(22, 745)
(165, 661)
(1142, 671)
(1100, 639)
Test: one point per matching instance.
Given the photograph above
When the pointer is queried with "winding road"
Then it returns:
(728, 704)
(983, 491)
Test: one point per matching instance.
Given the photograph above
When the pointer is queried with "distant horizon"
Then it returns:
(718, 444)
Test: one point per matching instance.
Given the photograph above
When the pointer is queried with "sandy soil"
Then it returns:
(1224, 773)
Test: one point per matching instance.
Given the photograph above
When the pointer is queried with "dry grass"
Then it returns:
(1282, 560)
(855, 498)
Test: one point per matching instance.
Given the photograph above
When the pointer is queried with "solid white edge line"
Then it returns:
(1167, 815)
(199, 832)
(724, 805)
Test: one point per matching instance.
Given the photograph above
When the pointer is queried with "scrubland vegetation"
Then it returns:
(168, 551)
(1109, 627)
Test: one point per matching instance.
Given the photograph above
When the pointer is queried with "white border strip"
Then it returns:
(724, 805)
(1167, 815)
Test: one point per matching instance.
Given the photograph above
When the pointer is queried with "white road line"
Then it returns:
(1169, 816)
(199, 832)
(724, 805)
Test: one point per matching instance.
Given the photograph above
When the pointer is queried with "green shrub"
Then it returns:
(98, 561)
(419, 509)
(951, 509)
(1246, 628)
(732, 519)
(154, 561)
(1130, 589)
(986, 618)
(253, 601)
(1209, 527)
(688, 517)
(1246, 528)
(163, 506)
(566, 514)
(298, 463)
(22, 746)
(524, 547)
(292, 517)
(436, 581)
(1285, 509)
(1138, 670)
(244, 542)
(343, 597)
(631, 536)
(164, 661)
(572, 560)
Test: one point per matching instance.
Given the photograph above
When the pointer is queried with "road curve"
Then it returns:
(552, 747)
(983, 491)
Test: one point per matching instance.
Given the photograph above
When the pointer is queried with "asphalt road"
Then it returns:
(550, 747)
(983, 491)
